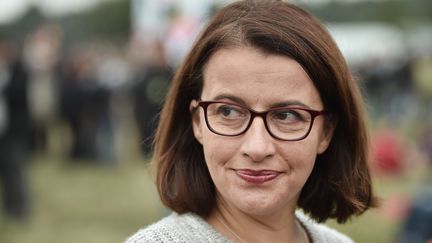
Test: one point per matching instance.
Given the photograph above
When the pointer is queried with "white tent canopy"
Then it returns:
(360, 42)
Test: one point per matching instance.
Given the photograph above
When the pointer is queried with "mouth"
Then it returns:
(257, 176)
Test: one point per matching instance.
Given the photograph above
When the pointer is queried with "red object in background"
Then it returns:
(388, 153)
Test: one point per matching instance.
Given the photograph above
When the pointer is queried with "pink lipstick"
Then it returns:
(257, 176)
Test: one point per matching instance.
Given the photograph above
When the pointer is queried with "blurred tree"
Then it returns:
(110, 19)
(16, 31)
(398, 12)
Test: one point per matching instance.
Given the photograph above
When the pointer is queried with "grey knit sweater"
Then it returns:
(192, 228)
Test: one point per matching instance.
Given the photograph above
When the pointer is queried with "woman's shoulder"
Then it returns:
(186, 227)
(320, 232)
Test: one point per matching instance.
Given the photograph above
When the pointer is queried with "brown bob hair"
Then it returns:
(340, 183)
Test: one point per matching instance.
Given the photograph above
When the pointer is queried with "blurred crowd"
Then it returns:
(86, 87)
(89, 85)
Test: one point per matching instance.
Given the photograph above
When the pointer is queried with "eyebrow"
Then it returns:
(275, 105)
(290, 103)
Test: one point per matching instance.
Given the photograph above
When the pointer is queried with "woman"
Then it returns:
(263, 118)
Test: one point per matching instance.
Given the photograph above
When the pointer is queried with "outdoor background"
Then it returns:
(81, 83)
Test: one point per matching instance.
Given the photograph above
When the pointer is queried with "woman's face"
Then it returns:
(254, 172)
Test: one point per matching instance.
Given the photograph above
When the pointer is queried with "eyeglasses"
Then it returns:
(283, 123)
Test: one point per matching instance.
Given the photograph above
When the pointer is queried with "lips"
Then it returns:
(257, 176)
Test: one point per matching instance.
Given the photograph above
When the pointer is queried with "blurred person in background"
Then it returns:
(85, 106)
(4, 80)
(422, 73)
(15, 133)
(148, 92)
(113, 76)
(77, 86)
(263, 118)
(41, 57)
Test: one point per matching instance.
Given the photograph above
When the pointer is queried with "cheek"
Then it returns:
(300, 155)
(218, 150)
(219, 154)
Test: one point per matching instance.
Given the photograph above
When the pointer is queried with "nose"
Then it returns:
(258, 144)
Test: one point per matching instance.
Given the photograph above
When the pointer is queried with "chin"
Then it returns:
(264, 203)
(259, 207)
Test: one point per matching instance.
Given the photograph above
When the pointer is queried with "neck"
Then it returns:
(241, 227)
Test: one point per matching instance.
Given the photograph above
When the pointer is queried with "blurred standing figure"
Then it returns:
(41, 57)
(15, 133)
(4, 79)
(85, 103)
(82, 102)
(149, 92)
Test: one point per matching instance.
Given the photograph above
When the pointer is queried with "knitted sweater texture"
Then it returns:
(192, 228)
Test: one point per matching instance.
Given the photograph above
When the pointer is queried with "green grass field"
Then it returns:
(95, 204)
(85, 204)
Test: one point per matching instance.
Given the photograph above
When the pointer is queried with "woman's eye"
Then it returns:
(288, 116)
(228, 111)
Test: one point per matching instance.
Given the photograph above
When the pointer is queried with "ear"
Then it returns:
(196, 120)
(325, 138)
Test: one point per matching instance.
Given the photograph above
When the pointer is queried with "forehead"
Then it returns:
(257, 78)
